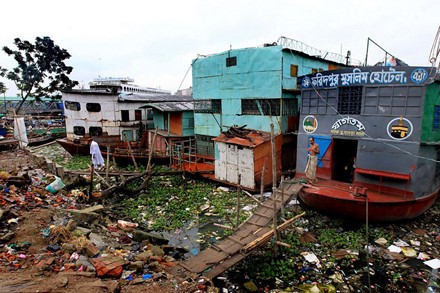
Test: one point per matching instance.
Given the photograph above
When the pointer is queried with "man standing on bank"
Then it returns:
(312, 161)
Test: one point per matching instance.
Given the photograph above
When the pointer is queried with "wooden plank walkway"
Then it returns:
(223, 255)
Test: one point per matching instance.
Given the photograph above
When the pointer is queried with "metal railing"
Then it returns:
(306, 49)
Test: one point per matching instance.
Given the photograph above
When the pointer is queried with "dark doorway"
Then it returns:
(344, 159)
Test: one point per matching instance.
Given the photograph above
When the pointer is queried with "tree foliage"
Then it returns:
(2, 88)
(41, 71)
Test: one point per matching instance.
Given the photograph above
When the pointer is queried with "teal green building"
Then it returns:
(254, 87)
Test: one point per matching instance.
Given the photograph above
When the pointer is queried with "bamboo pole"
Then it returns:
(283, 244)
(108, 162)
(282, 195)
(266, 236)
(251, 196)
(150, 155)
(274, 180)
(100, 178)
(262, 180)
(92, 171)
(132, 156)
(223, 226)
(119, 172)
(238, 201)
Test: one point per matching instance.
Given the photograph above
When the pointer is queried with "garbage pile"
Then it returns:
(405, 258)
(79, 239)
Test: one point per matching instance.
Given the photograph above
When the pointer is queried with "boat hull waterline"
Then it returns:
(381, 208)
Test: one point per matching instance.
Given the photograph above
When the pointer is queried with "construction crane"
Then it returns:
(435, 51)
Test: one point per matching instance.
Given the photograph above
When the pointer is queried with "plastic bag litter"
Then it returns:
(56, 185)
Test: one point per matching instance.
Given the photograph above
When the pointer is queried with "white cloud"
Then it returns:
(154, 42)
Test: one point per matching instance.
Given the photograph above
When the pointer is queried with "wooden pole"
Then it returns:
(265, 237)
(132, 156)
(100, 178)
(282, 195)
(238, 201)
(223, 226)
(150, 155)
(119, 172)
(274, 181)
(251, 196)
(108, 162)
(92, 171)
(262, 181)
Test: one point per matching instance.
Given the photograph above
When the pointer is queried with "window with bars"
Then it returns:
(261, 107)
(350, 100)
(208, 106)
(205, 145)
(290, 107)
(436, 118)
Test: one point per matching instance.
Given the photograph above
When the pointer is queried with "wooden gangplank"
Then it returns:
(221, 256)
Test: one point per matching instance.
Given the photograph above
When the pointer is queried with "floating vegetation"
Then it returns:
(170, 202)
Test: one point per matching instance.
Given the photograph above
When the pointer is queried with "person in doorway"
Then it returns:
(97, 159)
(312, 161)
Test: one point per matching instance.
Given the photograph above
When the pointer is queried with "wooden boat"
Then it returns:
(350, 201)
(8, 143)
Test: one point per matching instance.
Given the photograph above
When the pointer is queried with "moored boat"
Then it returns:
(379, 134)
(347, 201)
(111, 113)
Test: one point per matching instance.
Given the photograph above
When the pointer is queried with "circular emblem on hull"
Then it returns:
(310, 124)
(399, 128)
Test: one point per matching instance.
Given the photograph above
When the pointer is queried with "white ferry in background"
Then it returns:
(122, 85)
(111, 113)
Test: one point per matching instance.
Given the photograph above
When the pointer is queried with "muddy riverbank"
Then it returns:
(325, 254)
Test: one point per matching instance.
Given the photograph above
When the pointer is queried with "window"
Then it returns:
(208, 106)
(290, 107)
(125, 116)
(293, 70)
(205, 145)
(333, 67)
(138, 115)
(350, 100)
(127, 135)
(79, 130)
(231, 61)
(436, 119)
(191, 122)
(73, 106)
(165, 121)
(95, 131)
(314, 70)
(260, 107)
(93, 107)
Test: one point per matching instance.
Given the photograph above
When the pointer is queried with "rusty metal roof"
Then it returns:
(243, 137)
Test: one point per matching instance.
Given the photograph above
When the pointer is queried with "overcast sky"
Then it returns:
(154, 42)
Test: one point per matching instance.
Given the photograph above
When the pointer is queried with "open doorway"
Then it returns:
(344, 159)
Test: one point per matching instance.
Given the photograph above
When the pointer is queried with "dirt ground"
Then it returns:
(29, 278)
